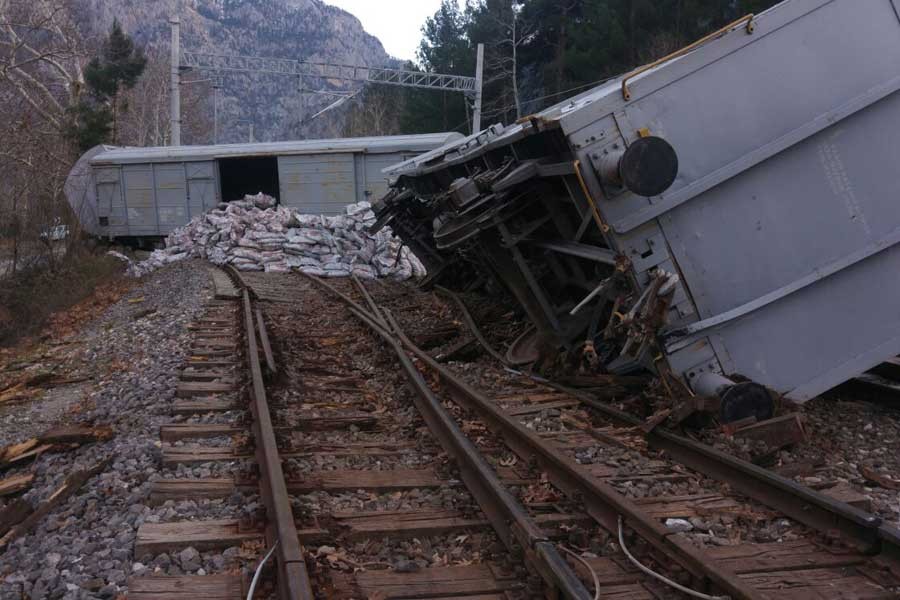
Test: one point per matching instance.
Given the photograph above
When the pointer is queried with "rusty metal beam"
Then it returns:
(293, 578)
(320, 70)
(471, 324)
(264, 342)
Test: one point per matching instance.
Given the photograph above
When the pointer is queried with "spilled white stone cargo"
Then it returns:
(254, 234)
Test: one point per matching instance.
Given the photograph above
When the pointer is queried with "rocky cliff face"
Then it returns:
(296, 29)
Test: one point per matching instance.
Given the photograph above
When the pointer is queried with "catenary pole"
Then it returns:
(479, 81)
(175, 84)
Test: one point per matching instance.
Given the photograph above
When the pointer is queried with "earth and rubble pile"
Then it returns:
(254, 234)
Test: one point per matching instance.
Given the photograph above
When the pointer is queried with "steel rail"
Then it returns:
(292, 576)
(816, 510)
(798, 502)
(514, 526)
(264, 342)
(379, 316)
(602, 502)
(470, 323)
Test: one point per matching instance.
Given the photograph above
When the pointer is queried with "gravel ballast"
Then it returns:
(84, 548)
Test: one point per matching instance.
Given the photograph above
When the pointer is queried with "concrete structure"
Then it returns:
(148, 192)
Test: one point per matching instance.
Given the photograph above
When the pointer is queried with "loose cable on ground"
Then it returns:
(661, 578)
(259, 571)
(590, 569)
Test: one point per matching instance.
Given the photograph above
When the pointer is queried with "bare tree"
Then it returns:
(502, 62)
(146, 120)
(41, 56)
(375, 113)
(659, 45)
(41, 60)
(32, 175)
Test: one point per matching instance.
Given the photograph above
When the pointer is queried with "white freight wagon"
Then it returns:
(752, 176)
(140, 193)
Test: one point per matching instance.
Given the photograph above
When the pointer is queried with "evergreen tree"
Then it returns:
(606, 38)
(444, 49)
(503, 29)
(570, 45)
(94, 119)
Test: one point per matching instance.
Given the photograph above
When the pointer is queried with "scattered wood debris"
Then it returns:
(779, 432)
(843, 492)
(18, 393)
(72, 483)
(655, 420)
(14, 513)
(733, 427)
(25, 381)
(879, 479)
(60, 439)
(77, 434)
(693, 405)
(15, 484)
(138, 315)
(604, 380)
(16, 454)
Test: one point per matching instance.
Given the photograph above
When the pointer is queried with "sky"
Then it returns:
(397, 23)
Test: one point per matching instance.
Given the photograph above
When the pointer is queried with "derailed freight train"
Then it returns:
(727, 213)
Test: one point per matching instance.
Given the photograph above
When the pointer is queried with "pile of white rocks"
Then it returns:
(254, 234)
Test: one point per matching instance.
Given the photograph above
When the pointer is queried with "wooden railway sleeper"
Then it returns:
(602, 501)
(512, 523)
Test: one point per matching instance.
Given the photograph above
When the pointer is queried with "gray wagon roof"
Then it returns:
(370, 145)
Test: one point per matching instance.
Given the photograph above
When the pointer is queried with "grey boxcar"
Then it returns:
(782, 223)
(148, 192)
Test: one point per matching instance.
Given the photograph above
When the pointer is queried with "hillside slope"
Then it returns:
(297, 29)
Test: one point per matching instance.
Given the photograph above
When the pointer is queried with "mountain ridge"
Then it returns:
(294, 29)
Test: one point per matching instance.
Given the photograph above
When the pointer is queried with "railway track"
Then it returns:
(474, 481)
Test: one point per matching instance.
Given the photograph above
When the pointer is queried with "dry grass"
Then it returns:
(29, 299)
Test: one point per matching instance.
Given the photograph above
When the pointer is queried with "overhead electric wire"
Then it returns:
(503, 109)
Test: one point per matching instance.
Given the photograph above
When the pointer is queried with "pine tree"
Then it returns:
(444, 49)
(566, 46)
(95, 119)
